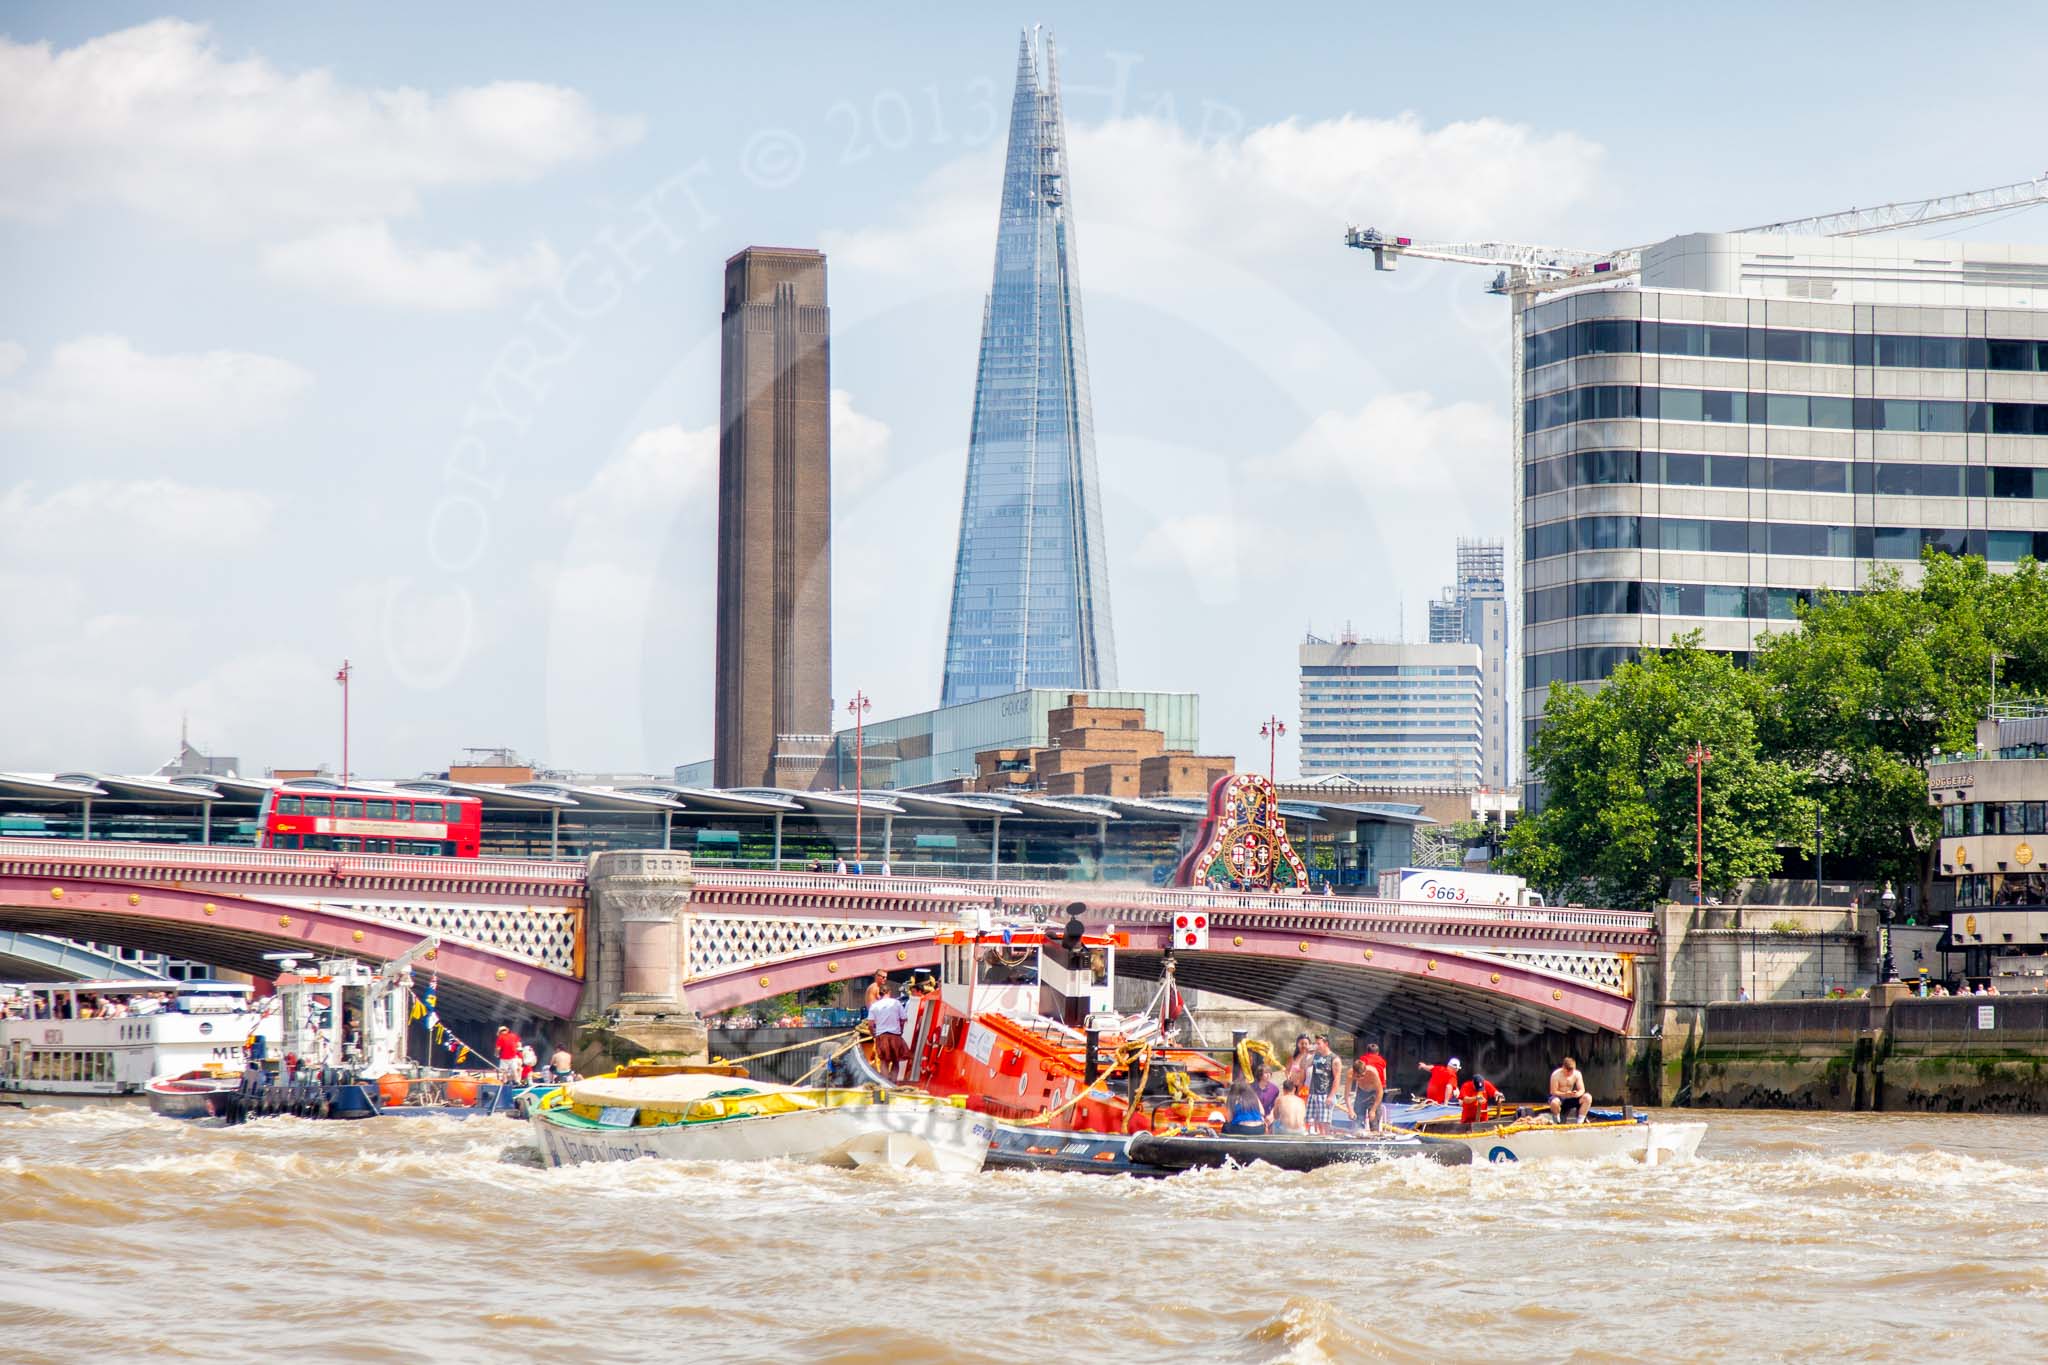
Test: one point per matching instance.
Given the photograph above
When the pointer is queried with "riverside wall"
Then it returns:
(1974, 1054)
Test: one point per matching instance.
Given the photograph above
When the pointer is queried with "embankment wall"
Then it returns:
(1975, 1054)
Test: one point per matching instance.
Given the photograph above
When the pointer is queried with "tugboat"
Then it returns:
(344, 1052)
(1019, 1027)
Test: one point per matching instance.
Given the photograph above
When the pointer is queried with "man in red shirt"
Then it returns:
(1371, 1057)
(1473, 1098)
(1443, 1081)
(508, 1053)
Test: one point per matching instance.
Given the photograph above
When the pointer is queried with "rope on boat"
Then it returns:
(824, 1062)
(1120, 1061)
(777, 1051)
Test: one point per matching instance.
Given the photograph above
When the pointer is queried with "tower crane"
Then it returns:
(1530, 270)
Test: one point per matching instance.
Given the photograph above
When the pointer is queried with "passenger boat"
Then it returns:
(1520, 1133)
(709, 1114)
(104, 1039)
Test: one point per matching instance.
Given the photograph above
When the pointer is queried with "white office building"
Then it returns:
(1758, 416)
(1392, 713)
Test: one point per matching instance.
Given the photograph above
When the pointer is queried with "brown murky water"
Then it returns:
(128, 1237)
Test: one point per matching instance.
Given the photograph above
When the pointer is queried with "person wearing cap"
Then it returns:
(1443, 1081)
(1473, 1098)
(510, 1051)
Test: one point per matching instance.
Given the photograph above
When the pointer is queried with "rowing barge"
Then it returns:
(711, 1115)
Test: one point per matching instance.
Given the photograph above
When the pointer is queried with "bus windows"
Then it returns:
(284, 841)
(287, 805)
(378, 810)
(319, 805)
(348, 810)
(376, 845)
(320, 843)
(426, 810)
(348, 845)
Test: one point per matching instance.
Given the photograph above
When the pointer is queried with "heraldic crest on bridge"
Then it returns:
(1243, 845)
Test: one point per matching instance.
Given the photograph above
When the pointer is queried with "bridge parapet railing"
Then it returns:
(218, 857)
(1165, 901)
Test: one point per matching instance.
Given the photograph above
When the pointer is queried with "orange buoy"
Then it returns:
(391, 1089)
(462, 1090)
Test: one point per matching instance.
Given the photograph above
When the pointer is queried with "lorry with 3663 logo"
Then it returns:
(1448, 886)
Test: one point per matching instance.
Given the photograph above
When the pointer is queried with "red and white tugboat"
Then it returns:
(1022, 1026)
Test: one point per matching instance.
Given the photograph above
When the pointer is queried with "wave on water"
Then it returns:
(1306, 1331)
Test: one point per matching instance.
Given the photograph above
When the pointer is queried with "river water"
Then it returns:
(128, 1237)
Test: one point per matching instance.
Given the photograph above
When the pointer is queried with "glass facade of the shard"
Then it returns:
(1031, 583)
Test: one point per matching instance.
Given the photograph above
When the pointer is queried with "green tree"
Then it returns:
(1617, 819)
(1872, 683)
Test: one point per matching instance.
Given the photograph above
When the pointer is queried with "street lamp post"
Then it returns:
(1887, 970)
(860, 707)
(342, 677)
(1697, 759)
(1271, 732)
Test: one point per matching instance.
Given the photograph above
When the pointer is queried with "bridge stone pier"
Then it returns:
(633, 999)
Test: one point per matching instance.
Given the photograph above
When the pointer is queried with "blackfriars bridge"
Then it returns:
(649, 934)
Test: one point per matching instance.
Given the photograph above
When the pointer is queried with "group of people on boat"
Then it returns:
(890, 1011)
(58, 1006)
(518, 1063)
(1318, 1095)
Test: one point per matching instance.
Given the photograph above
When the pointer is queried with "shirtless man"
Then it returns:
(1568, 1089)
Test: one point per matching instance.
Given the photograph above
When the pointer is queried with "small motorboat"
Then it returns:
(690, 1114)
(197, 1094)
(1523, 1133)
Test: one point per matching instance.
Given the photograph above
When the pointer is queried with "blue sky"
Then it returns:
(390, 333)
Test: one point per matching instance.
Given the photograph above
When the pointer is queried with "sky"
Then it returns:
(389, 333)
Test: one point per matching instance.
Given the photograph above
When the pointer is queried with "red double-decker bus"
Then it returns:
(356, 821)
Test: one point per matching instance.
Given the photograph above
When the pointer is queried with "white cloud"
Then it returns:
(860, 445)
(629, 502)
(363, 262)
(1400, 442)
(158, 119)
(13, 355)
(124, 517)
(101, 389)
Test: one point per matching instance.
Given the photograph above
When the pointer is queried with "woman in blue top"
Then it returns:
(1246, 1114)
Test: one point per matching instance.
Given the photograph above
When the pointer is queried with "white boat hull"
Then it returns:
(1650, 1143)
(932, 1137)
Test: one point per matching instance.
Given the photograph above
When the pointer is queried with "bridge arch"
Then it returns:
(1336, 980)
(235, 931)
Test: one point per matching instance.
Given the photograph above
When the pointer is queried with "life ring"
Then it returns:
(1500, 1156)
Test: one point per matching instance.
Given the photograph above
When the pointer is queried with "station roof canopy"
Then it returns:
(159, 789)
(494, 793)
(74, 785)
(726, 802)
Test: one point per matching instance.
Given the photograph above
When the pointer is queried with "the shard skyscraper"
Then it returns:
(1031, 582)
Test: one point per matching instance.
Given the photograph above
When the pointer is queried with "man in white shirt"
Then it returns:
(885, 1020)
